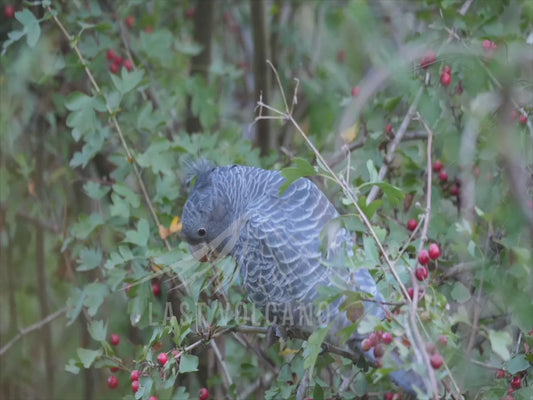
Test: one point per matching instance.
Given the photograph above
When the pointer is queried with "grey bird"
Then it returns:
(286, 247)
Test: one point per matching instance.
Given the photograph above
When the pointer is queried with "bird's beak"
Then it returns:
(201, 252)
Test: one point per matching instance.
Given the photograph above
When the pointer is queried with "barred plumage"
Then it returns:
(275, 240)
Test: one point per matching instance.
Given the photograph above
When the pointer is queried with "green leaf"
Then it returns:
(517, 364)
(89, 259)
(95, 294)
(94, 190)
(460, 292)
(499, 341)
(128, 80)
(82, 229)
(157, 157)
(31, 26)
(372, 172)
(75, 304)
(314, 348)
(140, 236)
(291, 174)
(98, 330)
(72, 367)
(88, 356)
(188, 363)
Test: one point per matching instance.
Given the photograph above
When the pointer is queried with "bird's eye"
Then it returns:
(201, 232)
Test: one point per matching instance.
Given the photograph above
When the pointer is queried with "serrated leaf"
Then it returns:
(88, 356)
(98, 330)
(94, 190)
(89, 259)
(460, 292)
(499, 341)
(188, 363)
(140, 236)
(75, 304)
(128, 80)
(517, 364)
(301, 169)
(31, 26)
(83, 228)
(95, 294)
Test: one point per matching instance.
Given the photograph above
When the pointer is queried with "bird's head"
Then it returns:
(207, 217)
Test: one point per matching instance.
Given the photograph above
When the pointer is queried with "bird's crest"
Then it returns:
(195, 168)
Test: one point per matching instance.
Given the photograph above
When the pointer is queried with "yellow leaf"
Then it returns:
(287, 352)
(175, 225)
(350, 133)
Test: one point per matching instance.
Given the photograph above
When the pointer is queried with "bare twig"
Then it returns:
(394, 144)
(31, 328)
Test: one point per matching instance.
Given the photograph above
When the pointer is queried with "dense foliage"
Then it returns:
(413, 117)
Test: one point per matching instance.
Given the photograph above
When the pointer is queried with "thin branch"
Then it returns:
(31, 328)
(394, 144)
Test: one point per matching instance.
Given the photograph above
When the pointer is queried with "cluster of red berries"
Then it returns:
(116, 61)
(455, 188)
(377, 340)
(515, 384)
(134, 377)
(355, 91)
(424, 256)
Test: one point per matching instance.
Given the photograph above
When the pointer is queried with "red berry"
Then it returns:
(135, 386)
(412, 224)
(411, 292)
(112, 382)
(428, 59)
(500, 374)
(135, 375)
(446, 70)
(509, 397)
(190, 12)
(388, 128)
(443, 340)
(9, 11)
(114, 369)
(487, 44)
(421, 273)
(436, 360)
(118, 60)
(379, 350)
(162, 358)
(423, 257)
(389, 396)
(156, 289)
(115, 339)
(387, 338)
(443, 176)
(203, 394)
(110, 54)
(454, 190)
(374, 339)
(434, 251)
(366, 344)
(523, 119)
(516, 382)
(355, 91)
(114, 68)
(445, 79)
(128, 65)
(130, 21)
(152, 398)
(437, 166)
